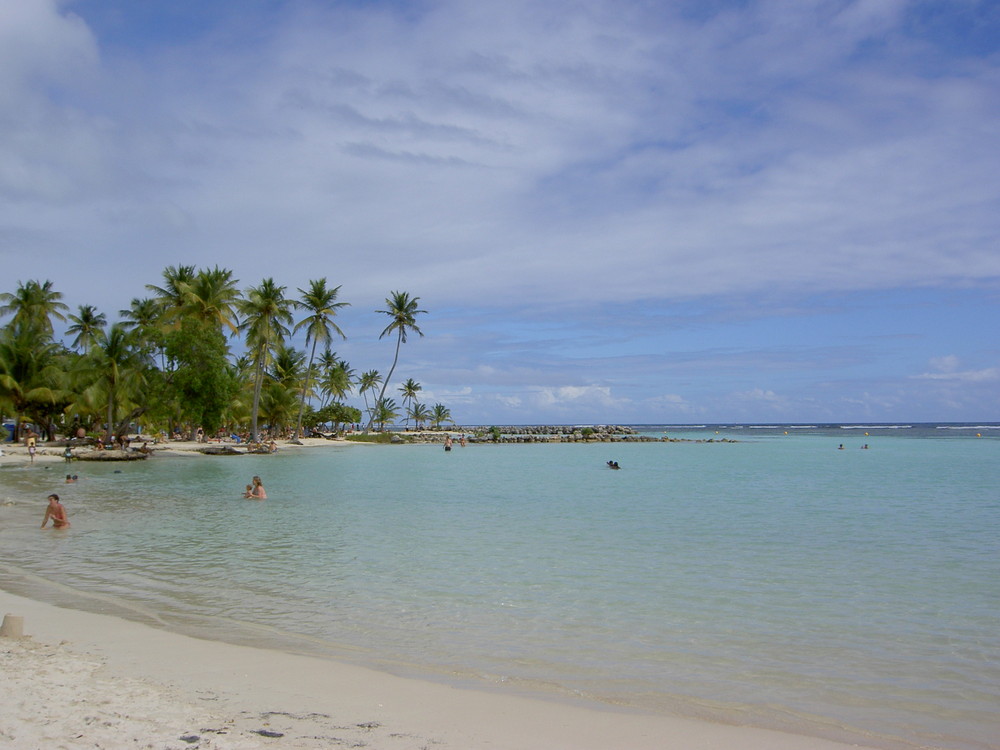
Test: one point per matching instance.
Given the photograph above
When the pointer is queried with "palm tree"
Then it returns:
(337, 378)
(171, 294)
(368, 382)
(119, 367)
(385, 410)
(441, 414)
(277, 404)
(288, 369)
(419, 413)
(142, 318)
(33, 305)
(141, 314)
(31, 375)
(265, 313)
(403, 311)
(322, 305)
(409, 389)
(211, 297)
(87, 325)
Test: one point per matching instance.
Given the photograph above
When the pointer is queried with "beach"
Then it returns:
(455, 617)
(83, 680)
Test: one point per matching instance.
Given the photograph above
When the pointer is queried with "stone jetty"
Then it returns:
(552, 434)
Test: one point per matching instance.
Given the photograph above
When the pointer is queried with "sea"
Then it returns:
(838, 581)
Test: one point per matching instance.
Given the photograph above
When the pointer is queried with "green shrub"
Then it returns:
(371, 437)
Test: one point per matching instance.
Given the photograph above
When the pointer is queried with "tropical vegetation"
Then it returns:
(198, 355)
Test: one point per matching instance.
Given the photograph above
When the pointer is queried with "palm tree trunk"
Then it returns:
(385, 383)
(111, 415)
(302, 403)
(256, 397)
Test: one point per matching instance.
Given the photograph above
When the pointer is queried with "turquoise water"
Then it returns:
(777, 581)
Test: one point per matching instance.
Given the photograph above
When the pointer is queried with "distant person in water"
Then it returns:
(249, 491)
(257, 491)
(613, 465)
(56, 512)
(447, 442)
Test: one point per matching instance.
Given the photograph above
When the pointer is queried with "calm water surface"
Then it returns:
(778, 580)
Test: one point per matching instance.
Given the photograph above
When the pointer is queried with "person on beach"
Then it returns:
(257, 491)
(56, 512)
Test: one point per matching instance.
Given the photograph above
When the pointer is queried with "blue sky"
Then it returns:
(613, 211)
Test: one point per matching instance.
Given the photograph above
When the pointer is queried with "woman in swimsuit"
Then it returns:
(258, 489)
(57, 513)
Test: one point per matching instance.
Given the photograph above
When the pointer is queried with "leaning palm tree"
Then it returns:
(87, 325)
(265, 313)
(321, 304)
(33, 305)
(409, 389)
(403, 311)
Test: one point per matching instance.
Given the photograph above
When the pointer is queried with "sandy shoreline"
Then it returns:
(87, 680)
(81, 679)
(17, 454)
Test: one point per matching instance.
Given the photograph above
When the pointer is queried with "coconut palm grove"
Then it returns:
(197, 353)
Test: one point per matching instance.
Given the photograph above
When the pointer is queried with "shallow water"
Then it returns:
(777, 580)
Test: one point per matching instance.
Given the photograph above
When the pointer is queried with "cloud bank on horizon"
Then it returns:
(613, 211)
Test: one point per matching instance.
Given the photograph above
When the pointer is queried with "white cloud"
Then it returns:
(987, 375)
(948, 363)
(522, 150)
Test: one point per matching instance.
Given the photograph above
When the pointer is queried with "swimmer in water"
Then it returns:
(56, 512)
(258, 489)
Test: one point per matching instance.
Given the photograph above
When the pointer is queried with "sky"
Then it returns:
(613, 211)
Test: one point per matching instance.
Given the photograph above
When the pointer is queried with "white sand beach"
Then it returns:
(82, 680)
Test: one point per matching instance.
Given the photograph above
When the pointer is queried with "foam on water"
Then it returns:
(776, 580)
